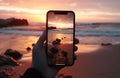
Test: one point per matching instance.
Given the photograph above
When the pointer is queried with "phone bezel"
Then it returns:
(60, 12)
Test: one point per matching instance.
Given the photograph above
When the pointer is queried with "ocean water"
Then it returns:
(86, 33)
(66, 35)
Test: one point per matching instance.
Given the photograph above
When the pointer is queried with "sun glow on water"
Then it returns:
(61, 25)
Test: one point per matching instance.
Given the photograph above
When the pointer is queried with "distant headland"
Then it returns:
(13, 22)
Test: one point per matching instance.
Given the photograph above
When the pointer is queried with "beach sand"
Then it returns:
(102, 62)
(19, 43)
(93, 61)
(16, 42)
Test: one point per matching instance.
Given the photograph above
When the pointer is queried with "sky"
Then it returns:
(85, 10)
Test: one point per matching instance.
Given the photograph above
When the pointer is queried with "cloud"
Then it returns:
(21, 10)
(102, 5)
(92, 8)
(73, 4)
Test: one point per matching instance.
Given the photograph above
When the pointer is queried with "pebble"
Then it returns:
(33, 44)
(28, 49)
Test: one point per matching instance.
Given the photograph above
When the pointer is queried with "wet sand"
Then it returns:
(102, 62)
(19, 43)
(16, 42)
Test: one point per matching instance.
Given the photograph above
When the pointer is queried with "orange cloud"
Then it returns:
(85, 10)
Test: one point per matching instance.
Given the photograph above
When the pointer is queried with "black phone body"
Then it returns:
(60, 28)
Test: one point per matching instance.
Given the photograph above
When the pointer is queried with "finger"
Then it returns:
(75, 48)
(41, 40)
(76, 41)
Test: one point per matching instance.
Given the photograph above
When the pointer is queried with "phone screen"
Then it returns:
(60, 37)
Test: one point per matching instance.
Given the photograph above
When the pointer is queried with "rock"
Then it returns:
(12, 22)
(28, 49)
(50, 28)
(8, 51)
(33, 44)
(2, 63)
(55, 43)
(8, 61)
(64, 53)
(5, 75)
(11, 61)
(75, 48)
(76, 41)
(106, 44)
(13, 53)
(54, 50)
(58, 40)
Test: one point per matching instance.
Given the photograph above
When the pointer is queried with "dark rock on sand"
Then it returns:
(33, 44)
(28, 49)
(13, 53)
(52, 27)
(8, 61)
(76, 41)
(57, 39)
(54, 50)
(55, 43)
(75, 48)
(106, 44)
(12, 62)
(2, 59)
(64, 53)
(5, 75)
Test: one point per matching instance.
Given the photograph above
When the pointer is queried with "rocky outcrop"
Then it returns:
(14, 54)
(8, 61)
(13, 22)
(10, 57)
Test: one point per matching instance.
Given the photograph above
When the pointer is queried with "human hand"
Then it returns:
(39, 58)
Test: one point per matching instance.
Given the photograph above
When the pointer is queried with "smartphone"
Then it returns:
(60, 28)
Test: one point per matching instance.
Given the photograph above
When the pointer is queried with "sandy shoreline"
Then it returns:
(100, 63)
(16, 42)
(19, 43)
(93, 61)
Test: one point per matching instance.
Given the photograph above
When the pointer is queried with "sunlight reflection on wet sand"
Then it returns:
(83, 48)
